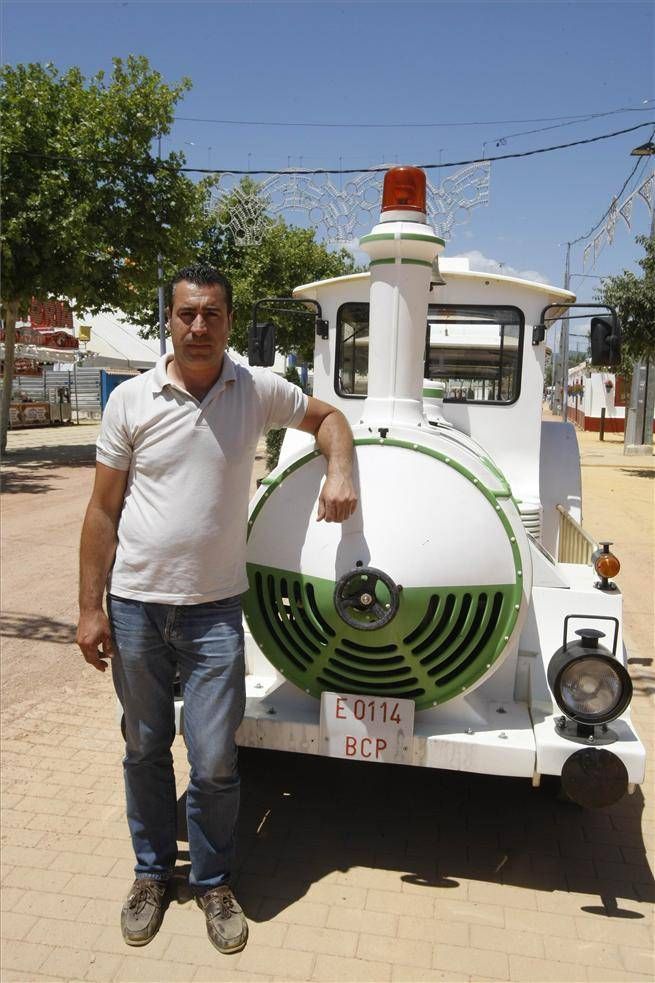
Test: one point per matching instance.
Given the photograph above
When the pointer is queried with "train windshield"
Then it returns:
(472, 353)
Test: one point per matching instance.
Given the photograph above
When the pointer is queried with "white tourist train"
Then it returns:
(461, 618)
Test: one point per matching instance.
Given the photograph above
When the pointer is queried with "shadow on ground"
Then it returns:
(37, 628)
(304, 817)
(640, 472)
(35, 477)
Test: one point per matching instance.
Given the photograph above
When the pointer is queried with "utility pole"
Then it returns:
(564, 340)
(639, 414)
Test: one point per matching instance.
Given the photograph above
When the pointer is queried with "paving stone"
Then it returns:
(433, 930)
(56, 931)
(488, 892)
(225, 974)
(22, 956)
(337, 894)
(48, 905)
(21, 837)
(333, 969)
(9, 897)
(331, 941)
(82, 863)
(474, 962)
(541, 922)
(290, 964)
(400, 904)
(97, 911)
(62, 843)
(37, 878)
(88, 886)
(16, 926)
(412, 974)
(409, 952)
(623, 931)
(502, 940)
(133, 969)
(31, 857)
(363, 920)
(529, 970)
(469, 912)
(299, 912)
(638, 960)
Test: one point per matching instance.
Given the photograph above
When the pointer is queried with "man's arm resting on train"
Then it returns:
(338, 498)
(97, 549)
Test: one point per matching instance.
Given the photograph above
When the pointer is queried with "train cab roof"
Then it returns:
(456, 271)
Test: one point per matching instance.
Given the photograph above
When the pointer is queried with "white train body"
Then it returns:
(460, 482)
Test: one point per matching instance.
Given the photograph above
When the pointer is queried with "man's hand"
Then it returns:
(338, 499)
(94, 633)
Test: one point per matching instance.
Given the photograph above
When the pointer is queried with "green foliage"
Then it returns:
(86, 205)
(274, 438)
(634, 298)
(285, 258)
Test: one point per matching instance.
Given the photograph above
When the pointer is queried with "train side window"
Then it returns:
(351, 363)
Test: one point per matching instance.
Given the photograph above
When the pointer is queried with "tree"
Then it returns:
(87, 206)
(285, 258)
(634, 298)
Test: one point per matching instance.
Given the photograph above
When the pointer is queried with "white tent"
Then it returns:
(116, 344)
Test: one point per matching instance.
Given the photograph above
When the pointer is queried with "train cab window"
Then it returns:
(474, 352)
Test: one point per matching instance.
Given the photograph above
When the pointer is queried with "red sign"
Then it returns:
(50, 314)
(27, 366)
(57, 339)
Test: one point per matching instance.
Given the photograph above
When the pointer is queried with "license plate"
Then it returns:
(366, 728)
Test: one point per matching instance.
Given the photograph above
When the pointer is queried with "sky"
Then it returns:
(506, 67)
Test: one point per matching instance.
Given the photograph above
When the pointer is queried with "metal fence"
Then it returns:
(82, 383)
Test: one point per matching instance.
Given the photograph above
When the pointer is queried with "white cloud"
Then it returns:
(484, 264)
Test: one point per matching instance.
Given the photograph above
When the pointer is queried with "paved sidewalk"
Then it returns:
(346, 872)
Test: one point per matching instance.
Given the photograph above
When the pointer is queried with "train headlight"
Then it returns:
(588, 683)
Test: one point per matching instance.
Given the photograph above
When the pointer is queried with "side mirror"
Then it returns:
(261, 343)
(605, 339)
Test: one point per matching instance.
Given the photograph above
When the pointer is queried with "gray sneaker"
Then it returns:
(227, 927)
(143, 910)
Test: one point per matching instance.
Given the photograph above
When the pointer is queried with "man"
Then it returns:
(165, 533)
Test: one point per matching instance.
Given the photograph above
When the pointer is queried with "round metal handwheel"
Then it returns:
(366, 598)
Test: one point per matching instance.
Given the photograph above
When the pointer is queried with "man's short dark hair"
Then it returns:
(203, 275)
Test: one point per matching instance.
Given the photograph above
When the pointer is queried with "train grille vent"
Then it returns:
(530, 513)
(454, 642)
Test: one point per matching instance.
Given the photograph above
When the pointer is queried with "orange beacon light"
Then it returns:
(404, 190)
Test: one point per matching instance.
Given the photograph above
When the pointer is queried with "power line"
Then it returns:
(154, 165)
(581, 117)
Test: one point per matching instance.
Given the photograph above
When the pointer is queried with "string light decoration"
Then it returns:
(340, 212)
(618, 210)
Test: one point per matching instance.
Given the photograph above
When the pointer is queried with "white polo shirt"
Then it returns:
(182, 530)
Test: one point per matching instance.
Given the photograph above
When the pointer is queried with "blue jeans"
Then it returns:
(205, 643)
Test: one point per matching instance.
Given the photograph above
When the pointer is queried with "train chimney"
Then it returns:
(402, 250)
